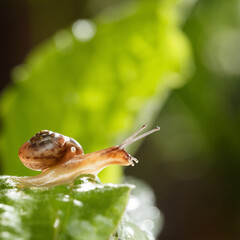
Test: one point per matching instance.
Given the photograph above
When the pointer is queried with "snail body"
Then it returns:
(62, 158)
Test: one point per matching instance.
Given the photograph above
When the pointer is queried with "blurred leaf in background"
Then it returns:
(96, 81)
(195, 161)
(143, 197)
(204, 115)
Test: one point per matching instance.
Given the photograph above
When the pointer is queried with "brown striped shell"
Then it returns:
(46, 149)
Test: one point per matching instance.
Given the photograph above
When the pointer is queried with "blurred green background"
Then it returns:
(97, 70)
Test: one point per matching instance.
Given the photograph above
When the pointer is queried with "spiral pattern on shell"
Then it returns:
(46, 149)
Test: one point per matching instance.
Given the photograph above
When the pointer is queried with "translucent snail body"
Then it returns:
(62, 159)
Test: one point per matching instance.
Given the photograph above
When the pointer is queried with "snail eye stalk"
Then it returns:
(135, 138)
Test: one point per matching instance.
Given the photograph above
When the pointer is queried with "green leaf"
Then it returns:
(85, 210)
(96, 90)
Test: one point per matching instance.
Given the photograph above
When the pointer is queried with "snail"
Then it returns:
(61, 159)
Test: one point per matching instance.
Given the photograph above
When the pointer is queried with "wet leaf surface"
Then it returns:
(84, 210)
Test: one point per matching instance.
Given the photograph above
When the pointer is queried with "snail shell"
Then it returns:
(47, 149)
